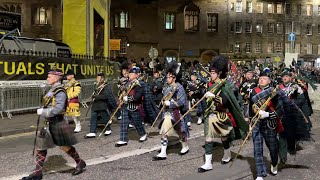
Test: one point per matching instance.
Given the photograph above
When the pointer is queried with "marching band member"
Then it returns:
(175, 103)
(55, 103)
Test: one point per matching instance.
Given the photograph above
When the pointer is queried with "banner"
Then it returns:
(115, 44)
(36, 68)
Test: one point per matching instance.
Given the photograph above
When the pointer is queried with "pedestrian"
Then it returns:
(55, 103)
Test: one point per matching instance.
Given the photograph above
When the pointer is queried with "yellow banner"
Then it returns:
(115, 44)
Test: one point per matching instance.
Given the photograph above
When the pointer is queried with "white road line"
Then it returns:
(104, 159)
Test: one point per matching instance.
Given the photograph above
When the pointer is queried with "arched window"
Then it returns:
(191, 17)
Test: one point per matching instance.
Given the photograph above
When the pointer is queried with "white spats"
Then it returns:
(90, 135)
(185, 148)
(274, 170)
(78, 125)
(226, 156)
(107, 132)
(143, 138)
(199, 121)
(208, 164)
(259, 178)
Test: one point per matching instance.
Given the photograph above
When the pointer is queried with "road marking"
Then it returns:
(17, 135)
(104, 159)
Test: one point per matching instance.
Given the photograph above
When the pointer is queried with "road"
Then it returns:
(129, 162)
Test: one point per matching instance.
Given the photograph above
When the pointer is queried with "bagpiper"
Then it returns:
(268, 125)
(103, 102)
(55, 103)
(175, 102)
(73, 89)
(223, 113)
(132, 100)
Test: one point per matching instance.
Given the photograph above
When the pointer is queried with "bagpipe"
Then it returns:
(127, 89)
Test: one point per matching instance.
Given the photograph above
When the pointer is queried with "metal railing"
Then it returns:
(21, 98)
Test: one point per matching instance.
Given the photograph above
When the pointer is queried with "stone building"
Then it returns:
(200, 29)
(38, 18)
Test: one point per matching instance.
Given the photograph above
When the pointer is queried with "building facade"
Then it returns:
(201, 29)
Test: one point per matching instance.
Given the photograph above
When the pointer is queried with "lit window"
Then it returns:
(309, 29)
(259, 27)
(248, 28)
(121, 20)
(318, 9)
(212, 22)
(232, 6)
(239, 6)
(191, 17)
(279, 8)
(309, 10)
(270, 8)
(318, 48)
(237, 47)
(249, 7)
(279, 28)
(270, 47)
(259, 7)
(258, 47)
(309, 48)
(43, 16)
(238, 27)
(169, 21)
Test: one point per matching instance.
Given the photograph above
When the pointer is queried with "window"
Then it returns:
(123, 46)
(299, 7)
(232, 6)
(212, 22)
(237, 47)
(279, 28)
(259, 7)
(191, 17)
(279, 47)
(270, 8)
(248, 27)
(41, 16)
(258, 47)
(297, 48)
(288, 8)
(238, 27)
(270, 27)
(249, 6)
(259, 27)
(318, 48)
(309, 48)
(248, 47)
(239, 6)
(279, 8)
(171, 59)
(270, 47)
(318, 9)
(288, 27)
(309, 29)
(298, 28)
(169, 21)
(288, 47)
(309, 10)
(121, 20)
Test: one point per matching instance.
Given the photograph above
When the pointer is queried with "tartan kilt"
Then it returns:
(62, 133)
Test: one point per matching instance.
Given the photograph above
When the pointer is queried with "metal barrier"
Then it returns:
(23, 98)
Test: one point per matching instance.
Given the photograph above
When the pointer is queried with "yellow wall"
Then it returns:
(74, 24)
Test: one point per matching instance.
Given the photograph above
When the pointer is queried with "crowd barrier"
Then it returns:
(20, 98)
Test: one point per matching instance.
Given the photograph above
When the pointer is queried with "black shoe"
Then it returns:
(184, 153)
(201, 170)
(80, 168)
(33, 177)
(157, 158)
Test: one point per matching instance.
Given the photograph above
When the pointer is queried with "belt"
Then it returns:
(54, 119)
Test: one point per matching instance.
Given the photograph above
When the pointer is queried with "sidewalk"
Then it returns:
(24, 123)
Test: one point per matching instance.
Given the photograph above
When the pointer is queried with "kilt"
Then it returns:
(217, 128)
(62, 133)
